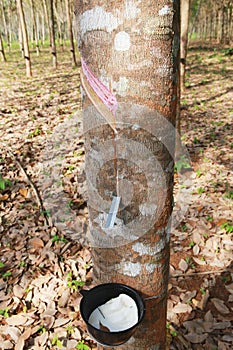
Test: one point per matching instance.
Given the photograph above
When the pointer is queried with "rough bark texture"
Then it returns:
(25, 39)
(46, 15)
(184, 39)
(70, 28)
(7, 34)
(35, 28)
(59, 23)
(52, 30)
(132, 48)
(3, 57)
(21, 39)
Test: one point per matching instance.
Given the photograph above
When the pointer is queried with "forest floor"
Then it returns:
(43, 257)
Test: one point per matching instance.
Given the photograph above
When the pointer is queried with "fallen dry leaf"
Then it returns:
(4, 197)
(222, 325)
(228, 338)
(182, 308)
(195, 326)
(196, 249)
(199, 261)
(13, 332)
(48, 321)
(196, 338)
(229, 287)
(41, 339)
(61, 321)
(188, 296)
(20, 344)
(36, 243)
(183, 265)
(63, 300)
(6, 345)
(221, 221)
(18, 291)
(71, 344)
(204, 299)
(220, 305)
(17, 320)
(23, 192)
(21, 341)
(76, 334)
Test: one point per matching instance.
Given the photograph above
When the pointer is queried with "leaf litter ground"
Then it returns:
(43, 215)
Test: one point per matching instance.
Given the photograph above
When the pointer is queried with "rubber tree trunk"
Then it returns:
(194, 24)
(2, 52)
(129, 75)
(46, 15)
(59, 22)
(52, 30)
(70, 29)
(10, 15)
(184, 14)
(35, 27)
(6, 30)
(20, 38)
(25, 38)
(43, 30)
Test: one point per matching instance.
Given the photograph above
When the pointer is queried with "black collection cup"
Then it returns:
(98, 296)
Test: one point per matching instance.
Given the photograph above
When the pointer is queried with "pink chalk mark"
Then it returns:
(101, 90)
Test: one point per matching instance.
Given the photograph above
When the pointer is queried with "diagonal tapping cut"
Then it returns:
(106, 104)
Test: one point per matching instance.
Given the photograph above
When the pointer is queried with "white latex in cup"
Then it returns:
(117, 314)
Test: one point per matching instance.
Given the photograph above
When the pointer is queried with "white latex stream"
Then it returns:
(117, 314)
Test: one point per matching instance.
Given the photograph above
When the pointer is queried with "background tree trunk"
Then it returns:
(129, 123)
(43, 30)
(59, 24)
(9, 25)
(184, 13)
(70, 28)
(195, 18)
(2, 49)
(35, 28)
(53, 40)
(231, 23)
(5, 25)
(25, 39)
(20, 38)
(46, 15)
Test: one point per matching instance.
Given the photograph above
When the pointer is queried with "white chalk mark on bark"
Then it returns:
(164, 11)
(122, 41)
(98, 19)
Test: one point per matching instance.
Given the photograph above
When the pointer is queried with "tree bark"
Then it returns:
(9, 26)
(231, 23)
(35, 28)
(195, 18)
(46, 14)
(130, 78)
(70, 29)
(43, 30)
(20, 38)
(184, 14)
(2, 52)
(5, 26)
(53, 40)
(25, 39)
(59, 23)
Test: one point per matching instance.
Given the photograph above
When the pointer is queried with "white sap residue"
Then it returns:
(117, 314)
(122, 41)
(164, 11)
